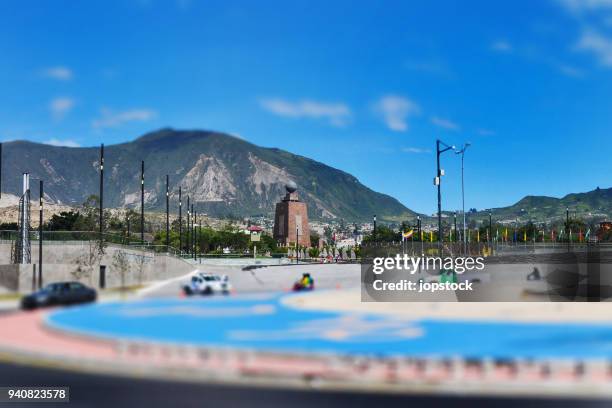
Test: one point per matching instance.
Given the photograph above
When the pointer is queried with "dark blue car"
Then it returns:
(59, 293)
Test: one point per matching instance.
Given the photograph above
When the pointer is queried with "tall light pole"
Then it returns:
(142, 192)
(437, 182)
(462, 153)
(455, 223)
(180, 248)
(374, 228)
(0, 170)
(567, 228)
(101, 190)
(167, 213)
(490, 237)
(40, 234)
(188, 236)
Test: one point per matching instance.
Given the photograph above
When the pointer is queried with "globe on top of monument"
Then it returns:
(291, 187)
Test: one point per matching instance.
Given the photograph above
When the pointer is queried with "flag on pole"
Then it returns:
(430, 236)
(525, 236)
(552, 235)
(580, 235)
(422, 232)
(478, 236)
(587, 235)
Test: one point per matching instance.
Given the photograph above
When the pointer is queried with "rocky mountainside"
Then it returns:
(223, 174)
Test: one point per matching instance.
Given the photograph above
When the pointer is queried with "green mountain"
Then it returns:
(592, 205)
(222, 174)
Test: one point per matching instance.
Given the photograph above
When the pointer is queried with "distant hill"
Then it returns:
(223, 174)
(596, 204)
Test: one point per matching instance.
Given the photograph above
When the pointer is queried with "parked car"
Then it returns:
(207, 284)
(59, 293)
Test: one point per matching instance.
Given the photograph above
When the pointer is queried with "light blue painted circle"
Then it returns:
(264, 323)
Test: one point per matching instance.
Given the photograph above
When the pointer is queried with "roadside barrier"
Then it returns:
(365, 369)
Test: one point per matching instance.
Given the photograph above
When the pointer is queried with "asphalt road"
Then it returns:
(91, 391)
(269, 279)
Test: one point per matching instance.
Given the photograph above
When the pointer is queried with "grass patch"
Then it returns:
(10, 296)
(125, 289)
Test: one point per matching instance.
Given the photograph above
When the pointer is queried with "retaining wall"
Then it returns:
(61, 262)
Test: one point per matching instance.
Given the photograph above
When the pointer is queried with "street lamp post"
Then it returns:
(101, 191)
(167, 213)
(180, 248)
(462, 153)
(374, 228)
(490, 237)
(567, 228)
(142, 193)
(455, 224)
(438, 182)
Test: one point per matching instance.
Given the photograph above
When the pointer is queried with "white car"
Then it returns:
(207, 284)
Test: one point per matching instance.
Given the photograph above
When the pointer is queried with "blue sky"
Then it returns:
(366, 87)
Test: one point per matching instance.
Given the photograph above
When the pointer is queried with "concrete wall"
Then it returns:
(61, 262)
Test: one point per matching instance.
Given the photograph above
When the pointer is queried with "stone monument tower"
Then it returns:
(291, 219)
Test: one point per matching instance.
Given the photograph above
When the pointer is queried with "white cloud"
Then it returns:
(59, 73)
(598, 45)
(59, 107)
(65, 143)
(501, 46)
(395, 111)
(115, 119)
(415, 150)
(444, 123)
(579, 6)
(338, 114)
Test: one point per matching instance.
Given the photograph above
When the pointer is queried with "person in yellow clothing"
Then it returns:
(305, 283)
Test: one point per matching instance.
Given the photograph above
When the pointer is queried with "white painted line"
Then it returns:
(158, 284)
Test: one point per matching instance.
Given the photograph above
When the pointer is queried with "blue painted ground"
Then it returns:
(264, 323)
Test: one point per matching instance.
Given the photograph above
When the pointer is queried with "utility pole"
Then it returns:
(167, 213)
(455, 224)
(193, 223)
(462, 153)
(180, 221)
(40, 235)
(127, 220)
(188, 238)
(142, 203)
(438, 182)
(23, 253)
(374, 229)
(567, 228)
(101, 191)
(0, 170)
(490, 237)
(200, 238)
